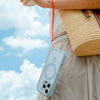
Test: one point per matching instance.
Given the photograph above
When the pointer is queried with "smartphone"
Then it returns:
(51, 72)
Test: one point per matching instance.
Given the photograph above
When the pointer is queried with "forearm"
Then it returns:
(69, 4)
(75, 4)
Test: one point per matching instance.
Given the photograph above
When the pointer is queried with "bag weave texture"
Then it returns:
(83, 33)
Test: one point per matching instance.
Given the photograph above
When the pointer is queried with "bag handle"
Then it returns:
(86, 14)
(96, 13)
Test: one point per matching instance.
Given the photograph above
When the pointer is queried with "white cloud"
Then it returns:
(20, 86)
(25, 43)
(14, 15)
(8, 53)
(1, 48)
(27, 24)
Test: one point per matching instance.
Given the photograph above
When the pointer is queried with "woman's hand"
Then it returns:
(28, 3)
(68, 4)
(41, 3)
(44, 3)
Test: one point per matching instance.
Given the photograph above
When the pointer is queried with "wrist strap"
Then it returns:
(52, 24)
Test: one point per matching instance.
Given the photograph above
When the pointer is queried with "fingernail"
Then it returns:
(21, 0)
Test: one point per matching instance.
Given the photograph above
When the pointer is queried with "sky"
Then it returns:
(24, 45)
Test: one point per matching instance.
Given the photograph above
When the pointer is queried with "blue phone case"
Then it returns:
(51, 71)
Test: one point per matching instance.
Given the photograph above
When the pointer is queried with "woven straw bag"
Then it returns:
(83, 32)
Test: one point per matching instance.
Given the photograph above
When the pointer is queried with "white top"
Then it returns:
(59, 28)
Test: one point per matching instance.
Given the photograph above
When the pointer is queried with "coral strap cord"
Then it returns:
(52, 24)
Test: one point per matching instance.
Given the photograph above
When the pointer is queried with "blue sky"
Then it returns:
(24, 45)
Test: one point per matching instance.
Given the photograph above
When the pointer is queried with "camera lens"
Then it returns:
(48, 85)
(46, 82)
(44, 86)
(46, 91)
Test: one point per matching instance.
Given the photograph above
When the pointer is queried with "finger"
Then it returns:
(21, 0)
(26, 2)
